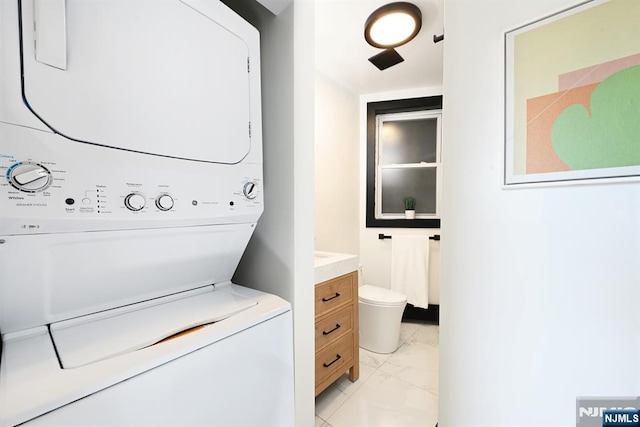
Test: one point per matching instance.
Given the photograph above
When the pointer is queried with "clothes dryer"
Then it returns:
(130, 185)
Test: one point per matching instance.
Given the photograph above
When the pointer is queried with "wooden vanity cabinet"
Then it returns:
(337, 350)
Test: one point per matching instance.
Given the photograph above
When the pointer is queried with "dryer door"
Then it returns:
(163, 77)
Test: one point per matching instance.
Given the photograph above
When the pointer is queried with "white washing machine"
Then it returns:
(130, 185)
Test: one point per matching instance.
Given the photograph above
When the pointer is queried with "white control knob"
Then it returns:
(30, 177)
(134, 201)
(164, 202)
(250, 190)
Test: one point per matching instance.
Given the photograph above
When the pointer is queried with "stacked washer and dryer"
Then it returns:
(130, 185)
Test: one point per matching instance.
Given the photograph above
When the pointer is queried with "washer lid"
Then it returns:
(380, 296)
(107, 334)
(158, 77)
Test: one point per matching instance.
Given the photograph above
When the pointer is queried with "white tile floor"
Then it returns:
(394, 390)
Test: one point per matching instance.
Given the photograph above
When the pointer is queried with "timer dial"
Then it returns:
(164, 202)
(134, 202)
(250, 190)
(29, 177)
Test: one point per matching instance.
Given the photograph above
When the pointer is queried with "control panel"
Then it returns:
(40, 195)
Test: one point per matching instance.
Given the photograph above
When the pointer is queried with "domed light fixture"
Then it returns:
(393, 25)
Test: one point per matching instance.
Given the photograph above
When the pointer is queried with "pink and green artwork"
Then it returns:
(573, 95)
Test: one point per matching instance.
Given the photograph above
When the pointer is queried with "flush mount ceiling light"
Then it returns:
(393, 25)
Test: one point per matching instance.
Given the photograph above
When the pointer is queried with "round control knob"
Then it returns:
(164, 202)
(29, 177)
(134, 201)
(250, 190)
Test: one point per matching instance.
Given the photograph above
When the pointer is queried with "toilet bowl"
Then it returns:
(380, 317)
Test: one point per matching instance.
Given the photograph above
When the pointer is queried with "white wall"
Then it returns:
(540, 286)
(375, 254)
(303, 164)
(279, 258)
(337, 172)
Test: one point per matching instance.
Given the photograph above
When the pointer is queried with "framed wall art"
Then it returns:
(572, 95)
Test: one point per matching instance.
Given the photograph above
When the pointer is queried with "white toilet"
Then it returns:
(380, 317)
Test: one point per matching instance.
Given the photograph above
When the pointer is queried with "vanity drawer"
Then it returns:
(334, 326)
(333, 293)
(336, 357)
(336, 336)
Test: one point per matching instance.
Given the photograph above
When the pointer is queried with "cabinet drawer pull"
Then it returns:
(334, 329)
(329, 299)
(338, 357)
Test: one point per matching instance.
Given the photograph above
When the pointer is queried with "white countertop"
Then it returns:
(332, 264)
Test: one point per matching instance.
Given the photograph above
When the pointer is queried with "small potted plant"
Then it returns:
(409, 207)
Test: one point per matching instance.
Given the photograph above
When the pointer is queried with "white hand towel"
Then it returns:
(410, 268)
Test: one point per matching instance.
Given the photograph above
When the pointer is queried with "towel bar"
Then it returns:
(383, 236)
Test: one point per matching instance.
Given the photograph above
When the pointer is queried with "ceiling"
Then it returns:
(342, 54)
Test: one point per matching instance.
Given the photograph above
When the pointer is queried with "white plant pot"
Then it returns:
(410, 214)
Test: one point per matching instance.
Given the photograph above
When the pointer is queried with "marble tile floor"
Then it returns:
(394, 390)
